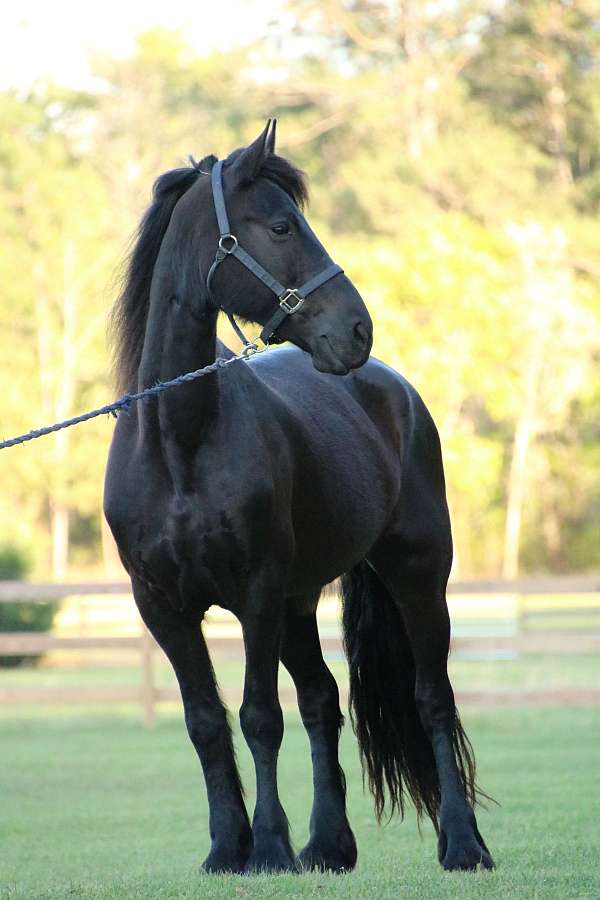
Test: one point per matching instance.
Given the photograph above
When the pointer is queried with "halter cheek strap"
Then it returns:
(290, 299)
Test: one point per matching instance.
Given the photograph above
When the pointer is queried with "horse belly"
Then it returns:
(339, 517)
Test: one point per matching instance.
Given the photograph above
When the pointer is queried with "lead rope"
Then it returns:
(250, 347)
(126, 400)
(290, 301)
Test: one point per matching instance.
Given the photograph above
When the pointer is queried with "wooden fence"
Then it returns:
(148, 694)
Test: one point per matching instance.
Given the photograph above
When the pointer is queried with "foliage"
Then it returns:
(14, 563)
(22, 616)
(455, 170)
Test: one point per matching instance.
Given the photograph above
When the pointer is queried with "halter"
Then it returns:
(290, 298)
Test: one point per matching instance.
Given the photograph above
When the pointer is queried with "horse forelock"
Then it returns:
(286, 176)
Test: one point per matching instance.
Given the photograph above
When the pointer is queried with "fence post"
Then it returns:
(148, 693)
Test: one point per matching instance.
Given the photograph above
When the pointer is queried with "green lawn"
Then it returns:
(532, 671)
(97, 807)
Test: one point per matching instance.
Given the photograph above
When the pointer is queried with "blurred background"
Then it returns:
(453, 151)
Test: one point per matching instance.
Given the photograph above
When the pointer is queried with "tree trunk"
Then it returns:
(63, 408)
(59, 533)
(516, 496)
(556, 100)
(57, 399)
(517, 479)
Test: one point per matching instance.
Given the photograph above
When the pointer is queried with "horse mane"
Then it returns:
(129, 314)
(127, 324)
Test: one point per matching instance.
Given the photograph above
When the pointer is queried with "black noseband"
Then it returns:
(290, 299)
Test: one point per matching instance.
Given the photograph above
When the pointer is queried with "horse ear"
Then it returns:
(271, 138)
(249, 162)
(205, 165)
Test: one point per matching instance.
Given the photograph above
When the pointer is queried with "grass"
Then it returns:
(97, 807)
(525, 672)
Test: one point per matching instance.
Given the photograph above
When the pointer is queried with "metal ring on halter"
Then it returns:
(228, 237)
(251, 348)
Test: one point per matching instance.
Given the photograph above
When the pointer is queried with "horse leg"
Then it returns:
(182, 640)
(331, 845)
(262, 724)
(415, 572)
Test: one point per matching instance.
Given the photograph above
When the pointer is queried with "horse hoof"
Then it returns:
(271, 860)
(223, 862)
(466, 855)
(323, 858)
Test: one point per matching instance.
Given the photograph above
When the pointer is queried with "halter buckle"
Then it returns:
(291, 294)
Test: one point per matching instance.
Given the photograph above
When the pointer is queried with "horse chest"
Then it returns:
(192, 548)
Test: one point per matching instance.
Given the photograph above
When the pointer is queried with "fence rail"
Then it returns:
(148, 694)
(539, 584)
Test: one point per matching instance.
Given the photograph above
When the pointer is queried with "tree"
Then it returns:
(552, 312)
(538, 70)
(449, 173)
(55, 259)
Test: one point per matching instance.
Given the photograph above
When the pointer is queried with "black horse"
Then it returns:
(254, 487)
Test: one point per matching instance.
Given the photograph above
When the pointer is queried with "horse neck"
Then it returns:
(179, 338)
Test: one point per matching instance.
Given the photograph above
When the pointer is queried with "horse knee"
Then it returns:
(262, 724)
(320, 701)
(426, 568)
(206, 727)
(434, 700)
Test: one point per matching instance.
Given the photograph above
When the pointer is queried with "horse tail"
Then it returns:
(396, 754)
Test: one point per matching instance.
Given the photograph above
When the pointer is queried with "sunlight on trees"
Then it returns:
(454, 157)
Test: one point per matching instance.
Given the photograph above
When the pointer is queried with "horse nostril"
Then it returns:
(361, 333)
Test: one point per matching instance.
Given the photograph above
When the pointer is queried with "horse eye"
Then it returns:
(281, 228)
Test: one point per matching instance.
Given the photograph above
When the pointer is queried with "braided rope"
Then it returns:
(123, 402)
